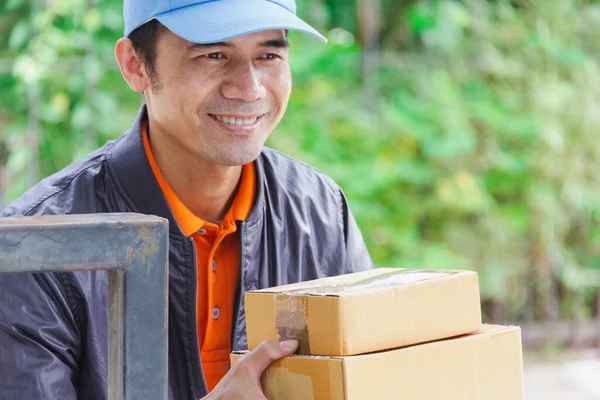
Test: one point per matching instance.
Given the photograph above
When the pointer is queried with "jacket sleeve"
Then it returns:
(357, 255)
(39, 343)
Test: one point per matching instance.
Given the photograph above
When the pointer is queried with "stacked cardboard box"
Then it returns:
(385, 334)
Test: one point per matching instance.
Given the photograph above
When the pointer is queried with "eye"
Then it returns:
(215, 56)
(270, 56)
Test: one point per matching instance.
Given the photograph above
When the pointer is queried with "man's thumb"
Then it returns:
(267, 352)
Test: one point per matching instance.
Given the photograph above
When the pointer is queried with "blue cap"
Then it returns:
(210, 21)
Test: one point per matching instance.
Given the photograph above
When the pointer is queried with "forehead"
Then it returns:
(250, 40)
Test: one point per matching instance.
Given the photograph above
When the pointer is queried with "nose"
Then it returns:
(243, 82)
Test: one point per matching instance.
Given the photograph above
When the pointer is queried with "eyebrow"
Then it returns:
(201, 46)
(273, 43)
(278, 43)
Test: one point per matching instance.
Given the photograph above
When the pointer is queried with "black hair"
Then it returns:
(144, 40)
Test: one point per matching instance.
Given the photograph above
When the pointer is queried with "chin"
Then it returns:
(238, 159)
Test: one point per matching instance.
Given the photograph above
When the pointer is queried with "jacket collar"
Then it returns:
(133, 172)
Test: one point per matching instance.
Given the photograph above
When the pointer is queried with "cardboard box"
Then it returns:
(367, 311)
(486, 365)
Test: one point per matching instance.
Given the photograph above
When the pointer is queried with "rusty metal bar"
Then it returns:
(134, 248)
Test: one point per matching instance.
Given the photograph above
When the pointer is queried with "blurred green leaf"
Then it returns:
(470, 144)
(422, 16)
(11, 5)
(19, 35)
(18, 159)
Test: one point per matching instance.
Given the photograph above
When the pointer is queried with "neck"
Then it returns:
(205, 189)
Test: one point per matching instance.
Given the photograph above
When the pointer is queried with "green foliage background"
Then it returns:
(470, 142)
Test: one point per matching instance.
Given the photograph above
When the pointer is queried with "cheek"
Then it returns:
(184, 94)
(182, 79)
(281, 87)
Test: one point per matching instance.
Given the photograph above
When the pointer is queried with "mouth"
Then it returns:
(234, 121)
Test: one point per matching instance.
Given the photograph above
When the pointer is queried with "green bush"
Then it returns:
(470, 145)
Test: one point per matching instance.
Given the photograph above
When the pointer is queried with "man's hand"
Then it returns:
(242, 382)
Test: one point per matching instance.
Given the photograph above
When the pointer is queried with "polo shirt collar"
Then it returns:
(187, 220)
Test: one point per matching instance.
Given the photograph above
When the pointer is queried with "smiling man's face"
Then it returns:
(220, 102)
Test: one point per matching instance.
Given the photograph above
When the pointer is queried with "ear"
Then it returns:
(132, 67)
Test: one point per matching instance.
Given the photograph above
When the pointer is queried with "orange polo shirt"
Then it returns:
(218, 266)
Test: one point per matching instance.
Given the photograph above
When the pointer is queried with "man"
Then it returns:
(216, 80)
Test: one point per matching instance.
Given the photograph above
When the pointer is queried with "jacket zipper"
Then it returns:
(238, 291)
(195, 325)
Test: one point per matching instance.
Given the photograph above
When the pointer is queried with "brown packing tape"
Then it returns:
(290, 320)
(336, 371)
(302, 378)
(323, 373)
(279, 382)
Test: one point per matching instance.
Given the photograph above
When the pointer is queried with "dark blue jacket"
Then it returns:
(53, 326)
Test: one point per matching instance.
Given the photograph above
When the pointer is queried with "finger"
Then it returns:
(260, 358)
(288, 347)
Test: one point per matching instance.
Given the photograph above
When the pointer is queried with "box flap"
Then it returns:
(378, 279)
(494, 330)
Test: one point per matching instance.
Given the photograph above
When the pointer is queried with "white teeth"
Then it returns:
(235, 121)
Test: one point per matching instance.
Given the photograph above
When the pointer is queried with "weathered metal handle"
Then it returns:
(134, 248)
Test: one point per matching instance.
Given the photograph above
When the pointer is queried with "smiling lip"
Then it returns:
(240, 124)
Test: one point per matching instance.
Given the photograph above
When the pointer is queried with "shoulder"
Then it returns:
(56, 193)
(305, 198)
(295, 176)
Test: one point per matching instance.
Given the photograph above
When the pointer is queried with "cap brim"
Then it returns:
(218, 21)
